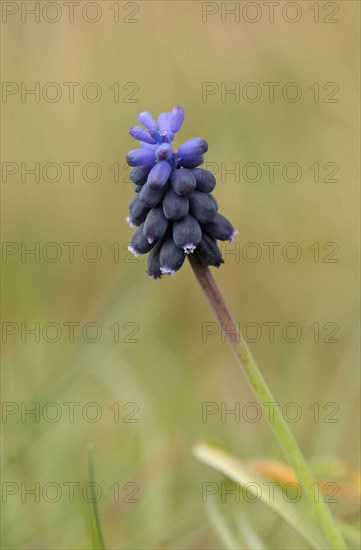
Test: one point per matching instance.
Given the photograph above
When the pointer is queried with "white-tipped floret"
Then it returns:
(129, 221)
(189, 248)
(167, 271)
(233, 234)
(132, 250)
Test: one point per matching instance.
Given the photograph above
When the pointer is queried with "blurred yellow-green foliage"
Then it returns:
(149, 361)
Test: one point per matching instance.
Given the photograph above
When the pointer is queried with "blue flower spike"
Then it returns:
(174, 212)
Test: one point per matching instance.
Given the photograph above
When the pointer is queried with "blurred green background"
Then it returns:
(150, 362)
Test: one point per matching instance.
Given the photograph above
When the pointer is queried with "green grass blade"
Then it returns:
(237, 472)
(351, 533)
(221, 528)
(95, 527)
(252, 540)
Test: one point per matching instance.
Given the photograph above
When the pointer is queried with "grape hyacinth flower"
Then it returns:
(175, 215)
(174, 211)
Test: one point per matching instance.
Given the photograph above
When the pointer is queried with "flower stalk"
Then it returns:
(176, 215)
(318, 508)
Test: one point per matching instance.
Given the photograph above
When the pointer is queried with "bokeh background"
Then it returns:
(151, 363)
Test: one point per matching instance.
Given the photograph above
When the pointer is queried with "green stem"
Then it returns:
(279, 426)
(96, 530)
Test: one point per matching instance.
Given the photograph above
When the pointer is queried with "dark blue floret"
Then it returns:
(187, 234)
(171, 257)
(139, 174)
(205, 181)
(151, 197)
(182, 182)
(208, 252)
(191, 161)
(173, 210)
(214, 200)
(159, 174)
(137, 212)
(139, 243)
(202, 207)
(155, 225)
(220, 228)
(175, 207)
(154, 261)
